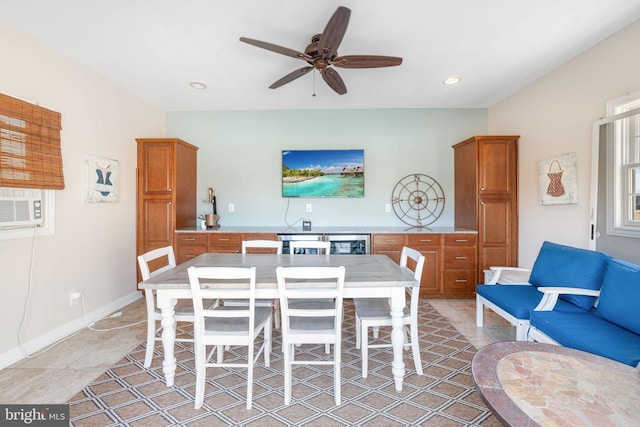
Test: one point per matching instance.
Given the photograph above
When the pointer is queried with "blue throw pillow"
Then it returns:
(569, 267)
(620, 296)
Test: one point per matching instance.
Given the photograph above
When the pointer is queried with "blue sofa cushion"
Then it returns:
(587, 332)
(518, 300)
(620, 296)
(569, 267)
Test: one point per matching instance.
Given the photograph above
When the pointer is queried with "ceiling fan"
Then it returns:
(322, 54)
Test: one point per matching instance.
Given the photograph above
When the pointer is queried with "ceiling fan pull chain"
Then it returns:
(314, 84)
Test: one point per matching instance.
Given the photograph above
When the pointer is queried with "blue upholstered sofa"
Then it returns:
(576, 298)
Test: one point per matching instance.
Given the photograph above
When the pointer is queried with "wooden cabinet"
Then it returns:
(190, 245)
(459, 264)
(166, 191)
(486, 197)
(449, 265)
(429, 246)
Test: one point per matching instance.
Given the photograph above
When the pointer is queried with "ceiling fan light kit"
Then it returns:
(322, 54)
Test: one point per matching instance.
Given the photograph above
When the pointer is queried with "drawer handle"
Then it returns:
(461, 281)
(461, 257)
(225, 239)
(189, 239)
(461, 240)
(425, 240)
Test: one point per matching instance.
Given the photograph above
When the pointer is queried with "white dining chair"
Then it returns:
(161, 260)
(310, 324)
(375, 312)
(299, 247)
(227, 325)
(274, 246)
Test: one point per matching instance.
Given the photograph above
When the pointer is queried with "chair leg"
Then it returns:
(249, 376)
(364, 350)
(276, 313)
(200, 358)
(267, 345)
(415, 347)
(151, 342)
(479, 312)
(336, 373)
(376, 332)
(358, 338)
(287, 372)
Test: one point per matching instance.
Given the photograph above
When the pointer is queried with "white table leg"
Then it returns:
(397, 335)
(168, 322)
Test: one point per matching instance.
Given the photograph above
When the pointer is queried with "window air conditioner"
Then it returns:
(20, 207)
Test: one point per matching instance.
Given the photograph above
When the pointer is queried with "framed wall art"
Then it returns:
(101, 180)
(558, 181)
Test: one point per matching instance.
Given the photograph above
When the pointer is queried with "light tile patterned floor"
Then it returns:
(57, 375)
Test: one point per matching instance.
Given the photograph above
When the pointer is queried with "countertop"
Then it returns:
(330, 230)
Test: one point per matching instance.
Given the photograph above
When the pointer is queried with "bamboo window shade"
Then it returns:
(30, 151)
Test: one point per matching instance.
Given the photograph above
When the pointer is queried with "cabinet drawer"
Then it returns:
(185, 253)
(460, 240)
(188, 239)
(388, 239)
(459, 258)
(259, 236)
(225, 239)
(421, 240)
(458, 281)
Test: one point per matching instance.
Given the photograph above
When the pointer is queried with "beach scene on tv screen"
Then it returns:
(323, 173)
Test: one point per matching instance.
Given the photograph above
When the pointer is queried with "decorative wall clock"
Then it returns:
(418, 200)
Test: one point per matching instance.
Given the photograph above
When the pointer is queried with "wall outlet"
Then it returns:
(74, 298)
(232, 207)
(309, 207)
(387, 207)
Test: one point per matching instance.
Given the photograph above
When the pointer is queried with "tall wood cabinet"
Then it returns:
(166, 181)
(486, 197)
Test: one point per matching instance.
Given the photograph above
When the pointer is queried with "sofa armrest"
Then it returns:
(496, 272)
(551, 294)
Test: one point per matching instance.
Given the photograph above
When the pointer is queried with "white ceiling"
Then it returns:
(154, 48)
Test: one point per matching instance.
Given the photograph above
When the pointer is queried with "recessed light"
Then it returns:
(198, 85)
(451, 81)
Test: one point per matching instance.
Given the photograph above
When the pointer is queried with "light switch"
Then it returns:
(232, 207)
(309, 208)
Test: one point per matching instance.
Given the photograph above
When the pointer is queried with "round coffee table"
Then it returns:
(530, 384)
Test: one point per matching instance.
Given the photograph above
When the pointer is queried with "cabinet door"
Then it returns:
(497, 233)
(156, 223)
(497, 166)
(429, 247)
(157, 171)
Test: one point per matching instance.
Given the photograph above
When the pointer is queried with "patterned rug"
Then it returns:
(130, 395)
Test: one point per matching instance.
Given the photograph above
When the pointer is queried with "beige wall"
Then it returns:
(93, 248)
(554, 115)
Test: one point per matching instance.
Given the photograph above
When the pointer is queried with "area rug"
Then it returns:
(130, 395)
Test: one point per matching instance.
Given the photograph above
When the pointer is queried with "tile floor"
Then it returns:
(59, 373)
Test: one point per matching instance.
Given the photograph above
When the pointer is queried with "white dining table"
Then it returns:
(366, 276)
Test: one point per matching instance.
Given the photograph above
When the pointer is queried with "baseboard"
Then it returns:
(16, 354)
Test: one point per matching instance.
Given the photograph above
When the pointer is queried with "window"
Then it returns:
(30, 152)
(623, 167)
(30, 163)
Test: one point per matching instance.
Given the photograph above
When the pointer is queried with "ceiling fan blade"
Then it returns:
(366, 61)
(275, 48)
(291, 77)
(334, 80)
(333, 33)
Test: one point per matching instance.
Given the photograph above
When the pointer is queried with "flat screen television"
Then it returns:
(323, 173)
